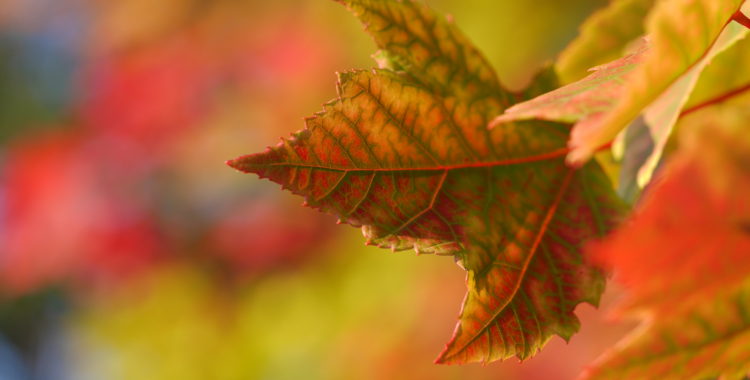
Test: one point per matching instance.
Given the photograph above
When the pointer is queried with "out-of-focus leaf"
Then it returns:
(684, 258)
(640, 144)
(661, 115)
(724, 75)
(584, 101)
(407, 156)
(702, 340)
(603, 37)
(693, 218)
(617, 96)
(641, 83)
(682, 33)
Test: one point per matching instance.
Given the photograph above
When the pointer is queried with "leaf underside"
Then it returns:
(406, 153)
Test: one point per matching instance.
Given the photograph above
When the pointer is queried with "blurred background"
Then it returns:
(128, 250)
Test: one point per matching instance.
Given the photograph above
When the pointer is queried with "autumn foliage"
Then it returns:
(570, 174)
(430, 152)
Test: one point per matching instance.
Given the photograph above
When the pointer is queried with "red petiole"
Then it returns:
(742, 19)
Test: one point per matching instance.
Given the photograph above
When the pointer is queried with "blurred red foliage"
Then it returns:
(688, 225)
(108, 196)
(67, 213)
(148, 96)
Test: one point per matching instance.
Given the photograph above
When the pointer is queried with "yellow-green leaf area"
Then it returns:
(603, 38)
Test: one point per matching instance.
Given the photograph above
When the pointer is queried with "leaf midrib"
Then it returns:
(557, 153)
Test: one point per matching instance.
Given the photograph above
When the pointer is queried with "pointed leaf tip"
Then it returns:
(235, 163)
(242, 163)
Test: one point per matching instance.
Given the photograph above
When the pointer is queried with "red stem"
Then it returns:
(604, 147)
(742, 19)
(717, 99)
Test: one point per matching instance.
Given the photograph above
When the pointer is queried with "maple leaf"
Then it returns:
(405, 152)
(654, 83)
(692, 230)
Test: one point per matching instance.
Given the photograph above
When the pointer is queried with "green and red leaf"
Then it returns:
(406, 153)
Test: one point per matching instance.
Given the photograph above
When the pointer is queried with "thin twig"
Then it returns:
(718, 99)
(742, 19)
